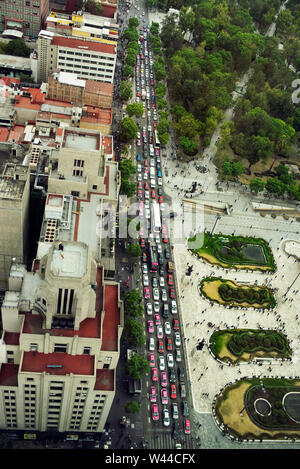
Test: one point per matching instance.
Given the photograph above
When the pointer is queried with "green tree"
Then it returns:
(135, 109)
(137, 366)
(127, 168)
(186, 19)
(125, 90)
(188, 146)
(133, 334)
(134, 250)
(128, 71)
(132, 407)
(128, 188)
(275, 186)
(133, 22)
(257, 185)
(17, 47)
(131, 34)
(129, 129)
(132, 303)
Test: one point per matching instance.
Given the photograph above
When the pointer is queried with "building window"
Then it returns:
(95, 186)
(60, 348)
(75, 193)
(106, 365)
(86, 350)
(79, 163)
(33, 347)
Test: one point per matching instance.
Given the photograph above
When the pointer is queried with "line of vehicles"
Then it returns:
(167, 392)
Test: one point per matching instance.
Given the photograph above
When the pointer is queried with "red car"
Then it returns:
(138, 93)
(163, 380)
(175, 325)
(153, 194)
(150, 326)
(172, 293)
(146, 163)
(157, 320)
(154, 374)
(140, 193)
(173, 391)
(187, 427)
(144, 257)
(169, 344)
(146, 186)
(165, 240)
(155, 414)
(157, 151)
(140, 185)
(153, 394)
(146, 293)
(170, 279)
(143, 244)
(152, 359)
(160, 199)
(160, 346)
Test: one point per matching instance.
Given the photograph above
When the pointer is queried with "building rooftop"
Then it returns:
(83, 45)
(104, 380)
(11, 189)
(71, 261)
(9, 374)
(36, 362)
(18, 63)
(111, 319)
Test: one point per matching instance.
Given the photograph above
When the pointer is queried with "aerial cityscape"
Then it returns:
(150, 220)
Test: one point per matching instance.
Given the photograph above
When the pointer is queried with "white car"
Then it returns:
(139, 168)
(156, 306)
(151, 345)
(145, 269)
(147, 196)
(161, 282)
(159, 181)
(152, 163)
(178, 355)
(159, 248)
(149, 309)
(147, 211)
(170, 360)
(174, 307)
(145, 176)
(161, 363)
(139, 178)
(157, 239)
(177, 339)
(162, 207)
(160, 332)
(146, 280)
(164, 295)
(167, 328)
(166, 418)
(156, 294)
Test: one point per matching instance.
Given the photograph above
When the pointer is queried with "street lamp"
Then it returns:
(217, 219)
(292, 284)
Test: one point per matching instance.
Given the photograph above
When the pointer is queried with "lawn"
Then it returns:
(234, 251)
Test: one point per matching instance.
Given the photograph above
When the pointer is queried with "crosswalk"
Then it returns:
(163, 440)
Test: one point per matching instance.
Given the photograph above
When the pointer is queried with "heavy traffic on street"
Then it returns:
(167, 390)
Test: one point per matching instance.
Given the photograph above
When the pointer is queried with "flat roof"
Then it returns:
(71, 261)
(111, 319)
(9, 374)
(104, 380)
(81, 142)
(83, 45)
(36, 362)
(12, 61)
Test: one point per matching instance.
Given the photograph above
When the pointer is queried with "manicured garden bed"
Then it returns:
(235, 251)
(256, 408)
(243, 345)
(228, 292)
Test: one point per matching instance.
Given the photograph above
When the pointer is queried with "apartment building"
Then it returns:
(27, 16)
(14, 208)
(60, 344)
(68, 87)
(83, 26)
(90, 60)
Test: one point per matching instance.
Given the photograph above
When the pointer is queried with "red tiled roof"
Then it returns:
(11, 338)
(83, 45)
(35, 362)
(104, 380)
(3, 134)
(100, 87)
(111, 318)
(9, 374)
(9, 80)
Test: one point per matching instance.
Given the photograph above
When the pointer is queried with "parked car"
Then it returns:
(163, 380)
(160, 346)
(177, 339)
(170, 360)
(161, 363)
(150, 327)
(152, 360)
(175, 413)
(178, 357)
(181, 375)
(173, 393)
